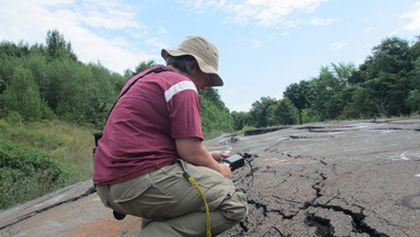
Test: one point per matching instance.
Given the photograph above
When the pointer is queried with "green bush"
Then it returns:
(22, 96)
(214, 114)
(14, 118)
(26, 173)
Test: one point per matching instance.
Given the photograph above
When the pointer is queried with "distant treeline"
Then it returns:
(39, 82)
(47, 81)
(386, 84)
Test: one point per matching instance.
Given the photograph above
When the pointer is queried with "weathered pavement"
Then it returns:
(75, 211)
(322, 179)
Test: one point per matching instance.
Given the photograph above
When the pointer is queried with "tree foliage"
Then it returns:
(387, 83)
(285, 113)
(139, 68)
(240, 119)
(297, 93)
(23, 97)
(386, 78)
(267, 112)
(215, 116)
(42, 81)
(57, 47)
(261, 112)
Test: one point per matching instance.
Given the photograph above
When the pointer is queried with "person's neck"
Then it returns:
(191, 77)
(180, 72)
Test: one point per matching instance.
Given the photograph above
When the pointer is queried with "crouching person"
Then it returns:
(153, 136)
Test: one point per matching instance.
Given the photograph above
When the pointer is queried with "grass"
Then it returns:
(67, 149)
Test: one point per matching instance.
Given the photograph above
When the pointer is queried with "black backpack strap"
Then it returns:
(156, 70)
(98, 135)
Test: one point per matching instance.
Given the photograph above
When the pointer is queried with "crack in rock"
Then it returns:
(359, 224)
(265, 209)
(324, 227)
(401, 228)
(247, 224)
(355, 214)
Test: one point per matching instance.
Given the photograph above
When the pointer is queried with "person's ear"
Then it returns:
(191, 67)
(196, 69)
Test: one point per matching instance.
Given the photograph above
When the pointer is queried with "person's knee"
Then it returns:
(243, 206)
(236, 207)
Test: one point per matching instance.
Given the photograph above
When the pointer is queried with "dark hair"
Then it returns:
(186, 63)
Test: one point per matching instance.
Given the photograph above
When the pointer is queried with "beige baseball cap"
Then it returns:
(204, 52)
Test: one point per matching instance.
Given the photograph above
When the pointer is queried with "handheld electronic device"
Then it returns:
(235, 161)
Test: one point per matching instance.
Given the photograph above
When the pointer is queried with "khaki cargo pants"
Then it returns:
(170, 205)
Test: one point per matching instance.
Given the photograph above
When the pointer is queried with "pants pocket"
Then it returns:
(141, 197)
(130, 190)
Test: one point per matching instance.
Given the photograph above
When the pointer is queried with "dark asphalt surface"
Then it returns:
(352, 178)
(332, 179)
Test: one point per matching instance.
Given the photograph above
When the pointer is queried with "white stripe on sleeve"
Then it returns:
(178, 87)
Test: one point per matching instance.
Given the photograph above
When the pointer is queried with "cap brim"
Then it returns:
(216, 80)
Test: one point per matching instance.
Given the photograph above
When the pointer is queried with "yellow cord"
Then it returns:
(208, 224)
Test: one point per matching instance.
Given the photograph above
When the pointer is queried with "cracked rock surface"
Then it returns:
(349, 178)
(333, 179)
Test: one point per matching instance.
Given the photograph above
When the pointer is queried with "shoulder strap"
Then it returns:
(156, 70)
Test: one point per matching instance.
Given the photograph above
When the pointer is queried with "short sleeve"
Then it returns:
(184, 110)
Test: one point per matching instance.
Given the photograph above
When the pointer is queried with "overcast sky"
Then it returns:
(265, 45)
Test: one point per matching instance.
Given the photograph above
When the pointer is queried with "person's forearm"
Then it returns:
(193, 151)
(201, 157)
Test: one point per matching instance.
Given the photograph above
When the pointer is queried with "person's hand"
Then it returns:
(219, 155)
(224, 169)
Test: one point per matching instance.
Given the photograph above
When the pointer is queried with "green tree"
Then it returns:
(240, 120)
(413, 100)
(262, 112)
(9, 60)
(213, 95)
(343, 71)
(392, 56)
(22, 96)
(215, 116)
(364, 104)
(285, 112)
(69, 89)
(102, 94)
(385, 76)
(297, 93)
(330, 89)
(14, 50)
(143, 65)
(37, 63)
(57, 46)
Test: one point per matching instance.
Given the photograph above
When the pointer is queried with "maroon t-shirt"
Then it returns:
(140, 133)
